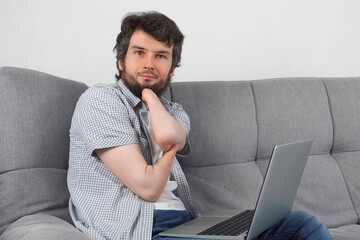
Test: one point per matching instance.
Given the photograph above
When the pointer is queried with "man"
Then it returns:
(124, 179)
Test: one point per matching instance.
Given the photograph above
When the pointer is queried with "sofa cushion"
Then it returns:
(348, 232)
(42, 227)
(234, 128)
(227, 186)
(223, 123)
(290, 110)
(323, 192)
(296, 109)
(344, 100)
(35, 115)
(32, 190)
(349, 163)
(220, 169)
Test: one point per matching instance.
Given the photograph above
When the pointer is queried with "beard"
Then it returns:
(136, 88)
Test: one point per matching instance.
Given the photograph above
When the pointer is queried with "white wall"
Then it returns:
(225, 40)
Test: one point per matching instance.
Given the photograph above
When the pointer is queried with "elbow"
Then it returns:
(148, 189)
(149, 194)
(164, 142)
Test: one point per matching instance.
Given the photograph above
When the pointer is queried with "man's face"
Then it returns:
(147, 64)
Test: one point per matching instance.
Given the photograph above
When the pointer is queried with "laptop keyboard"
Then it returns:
(232, 226)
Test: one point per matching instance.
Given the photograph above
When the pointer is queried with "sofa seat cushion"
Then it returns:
(348, 232)
(32, 190)
(42, 227)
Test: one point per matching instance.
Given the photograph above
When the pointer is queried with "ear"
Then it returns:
(172, 72)
(121, 65)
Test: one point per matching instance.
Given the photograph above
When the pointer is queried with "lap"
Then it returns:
(167, 219)
(296, 225)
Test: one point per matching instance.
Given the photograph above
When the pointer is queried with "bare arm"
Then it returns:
(128, 164)
(167, 130)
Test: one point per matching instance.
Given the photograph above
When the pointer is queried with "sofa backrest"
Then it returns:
(35, 114)
(235, 124)
(234, 127)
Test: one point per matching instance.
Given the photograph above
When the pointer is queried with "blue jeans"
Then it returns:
(297, 225)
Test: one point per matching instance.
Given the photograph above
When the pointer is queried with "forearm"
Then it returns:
(129, 166)
(167, 130)
(156, 177)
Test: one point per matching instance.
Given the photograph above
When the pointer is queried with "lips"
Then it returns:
(148, 75)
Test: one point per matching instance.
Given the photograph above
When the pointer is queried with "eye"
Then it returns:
(161, 56)
(139, 52)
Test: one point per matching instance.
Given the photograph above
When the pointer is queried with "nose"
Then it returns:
(149, 63)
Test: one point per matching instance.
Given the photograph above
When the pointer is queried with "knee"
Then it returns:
(312, 226)
(308, 222)
(303, 216)
(305, 219)
(300, 225)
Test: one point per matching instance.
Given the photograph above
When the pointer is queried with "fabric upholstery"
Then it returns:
(297, 109)
(230, 116)
(42, 227)
(347, 232)
(234, 117)
(234, 125)
(290, 110)
(35, 114)
(344, 101)
(213, 169)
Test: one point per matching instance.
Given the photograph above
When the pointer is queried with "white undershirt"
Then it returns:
(167, 200)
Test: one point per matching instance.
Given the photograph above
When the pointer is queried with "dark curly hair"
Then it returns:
(158, 26)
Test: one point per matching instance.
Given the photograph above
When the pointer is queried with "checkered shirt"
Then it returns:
(100, 205)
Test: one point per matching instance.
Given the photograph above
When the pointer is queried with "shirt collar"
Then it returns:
(133, 100)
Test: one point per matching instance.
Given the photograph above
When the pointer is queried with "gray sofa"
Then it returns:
(234, 127)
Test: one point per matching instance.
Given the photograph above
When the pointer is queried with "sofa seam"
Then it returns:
(21, 169)
(345, 151)
(215, 165)
(258, 159)
(331, 116)
(257, 122)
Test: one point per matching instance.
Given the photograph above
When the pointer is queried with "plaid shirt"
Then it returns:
(100, 205)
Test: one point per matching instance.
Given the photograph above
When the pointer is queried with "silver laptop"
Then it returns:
(275, 200)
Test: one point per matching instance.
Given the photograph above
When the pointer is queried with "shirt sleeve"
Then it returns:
(103, 119)
(178, 112)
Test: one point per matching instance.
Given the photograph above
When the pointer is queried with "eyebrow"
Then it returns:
(137, 47)
(161, 52)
